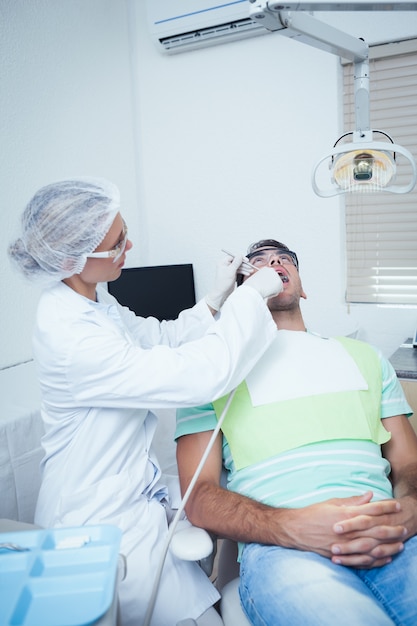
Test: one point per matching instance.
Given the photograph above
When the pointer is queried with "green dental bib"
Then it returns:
(255, 433)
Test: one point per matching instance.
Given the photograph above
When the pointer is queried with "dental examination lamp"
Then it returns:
(362, 164)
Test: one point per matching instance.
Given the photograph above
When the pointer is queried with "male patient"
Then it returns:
(322, 475)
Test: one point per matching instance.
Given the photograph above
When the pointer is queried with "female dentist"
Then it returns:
(102, 369)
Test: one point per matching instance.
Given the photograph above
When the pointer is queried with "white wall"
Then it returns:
(66, 110)
(210, 149)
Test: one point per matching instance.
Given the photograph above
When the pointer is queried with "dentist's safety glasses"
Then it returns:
(116, 252)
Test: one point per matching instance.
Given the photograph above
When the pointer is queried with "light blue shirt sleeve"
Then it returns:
(195, 420)
(393, 399)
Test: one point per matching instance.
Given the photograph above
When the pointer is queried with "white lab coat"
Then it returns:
(101, 369)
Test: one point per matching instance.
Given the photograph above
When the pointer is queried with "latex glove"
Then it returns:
(266, 281)
(245, 268)
(225, 281)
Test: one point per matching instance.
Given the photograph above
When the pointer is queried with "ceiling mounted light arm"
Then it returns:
(307, 29)
(346, 5)
(362, 165)
(361, 91)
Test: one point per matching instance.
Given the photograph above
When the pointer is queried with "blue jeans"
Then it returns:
(279, 586)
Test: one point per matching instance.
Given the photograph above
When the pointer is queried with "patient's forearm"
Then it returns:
(405, 482)
(405, 491)
(231, 515)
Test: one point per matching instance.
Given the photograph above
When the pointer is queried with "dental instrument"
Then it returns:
(245, 264)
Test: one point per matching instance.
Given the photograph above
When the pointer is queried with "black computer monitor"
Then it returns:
(162, 291)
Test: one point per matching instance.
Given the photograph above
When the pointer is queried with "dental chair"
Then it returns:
(228, 585)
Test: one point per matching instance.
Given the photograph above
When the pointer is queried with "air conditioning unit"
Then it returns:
(179, 25)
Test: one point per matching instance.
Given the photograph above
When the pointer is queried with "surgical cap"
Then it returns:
(62, 223)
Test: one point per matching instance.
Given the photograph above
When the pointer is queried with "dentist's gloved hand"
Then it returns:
(225, 281)
(266, 281)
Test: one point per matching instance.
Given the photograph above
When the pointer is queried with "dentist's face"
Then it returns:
(111, 254)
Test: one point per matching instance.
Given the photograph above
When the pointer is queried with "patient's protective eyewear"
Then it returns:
(283, 256)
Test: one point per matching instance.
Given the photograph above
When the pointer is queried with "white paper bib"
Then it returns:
(321, 366)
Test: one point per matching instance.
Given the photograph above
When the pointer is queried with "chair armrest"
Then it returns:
(191, 543)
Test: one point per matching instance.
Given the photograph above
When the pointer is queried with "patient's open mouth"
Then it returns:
(283, 277)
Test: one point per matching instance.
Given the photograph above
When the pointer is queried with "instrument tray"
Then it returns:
(62, 577)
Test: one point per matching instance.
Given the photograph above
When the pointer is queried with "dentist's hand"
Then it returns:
(266, 281)
(225, 281)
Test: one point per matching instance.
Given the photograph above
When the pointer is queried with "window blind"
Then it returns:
(381, 228)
